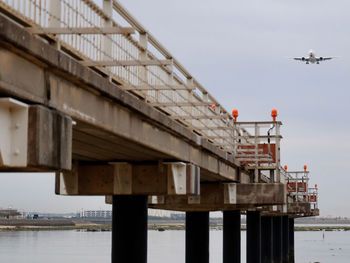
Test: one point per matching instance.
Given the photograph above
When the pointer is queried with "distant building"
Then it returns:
(10, 213)
(158, 213)
(108, 213)
(96, 213)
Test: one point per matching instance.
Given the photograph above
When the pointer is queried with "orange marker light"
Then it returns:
(274, 114)
(235, 114)
(213, 106)
(285, 167)
(305, 167)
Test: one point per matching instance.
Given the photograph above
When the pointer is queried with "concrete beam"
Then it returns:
(225, 196)
(129, 179)
(293, 210)
(299, 208)
(49, 139)
(90, 98)
(261, 193)
(86, 107)
(34, 137)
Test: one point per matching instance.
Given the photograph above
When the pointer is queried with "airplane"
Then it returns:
(312, 58)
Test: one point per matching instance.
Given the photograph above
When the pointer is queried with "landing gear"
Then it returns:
(307, 62)
(317, 62)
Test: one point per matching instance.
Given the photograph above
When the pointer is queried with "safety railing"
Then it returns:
(313, 197)
(257, 147)
(104, 36)
(298, 188)
(298, 185)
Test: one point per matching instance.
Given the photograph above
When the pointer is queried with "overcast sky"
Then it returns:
(239, 51)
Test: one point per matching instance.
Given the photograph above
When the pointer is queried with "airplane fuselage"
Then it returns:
(312, 58)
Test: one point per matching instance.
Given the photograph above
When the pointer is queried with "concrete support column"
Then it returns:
(129, 229)
(253, 237)
(285, 239)
(266, 239)
(277, 239)
(291, 240)
(197, 237)
(232, 237)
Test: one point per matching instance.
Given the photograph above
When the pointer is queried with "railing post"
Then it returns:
(55, 18)
(253, 237)
(197, 237)
(190, 83)
(256, 141)
(278, 156)
(129, 229)
(107, 43)
(143, 41)
(232, 236)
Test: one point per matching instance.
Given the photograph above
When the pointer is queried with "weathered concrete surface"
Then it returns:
(293, 210)
(49, 139)
(226, 196)
(260, 193)
(104, 113)
(129, 179)
(299, 208)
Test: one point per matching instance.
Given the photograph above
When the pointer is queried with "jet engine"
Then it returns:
(321, 58)
(303, 59)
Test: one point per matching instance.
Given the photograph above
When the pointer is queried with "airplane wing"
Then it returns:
(328, 58)
(325, 58)
(301, 59)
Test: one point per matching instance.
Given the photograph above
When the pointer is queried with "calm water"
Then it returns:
(168, 246)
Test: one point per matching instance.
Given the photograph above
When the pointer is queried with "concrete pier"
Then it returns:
(253, 237)
(130, 138)
(197, 237)
(266, 239)
(232, 236)
(277, 239)
(129, 229)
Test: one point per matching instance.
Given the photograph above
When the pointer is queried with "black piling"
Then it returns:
(285, 239)
(291, 240)
(232, 237)
(253, 237)
(129, 229)
(266, 239)
(277, 239)
(197, 237)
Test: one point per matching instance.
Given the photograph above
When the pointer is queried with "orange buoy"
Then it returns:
(213, 106)
(274, 114)
(285, 167)
(235, 114)
(305, 167)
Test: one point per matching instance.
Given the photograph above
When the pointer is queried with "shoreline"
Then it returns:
(152, 226)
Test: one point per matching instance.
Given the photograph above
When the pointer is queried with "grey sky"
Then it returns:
(239, 50)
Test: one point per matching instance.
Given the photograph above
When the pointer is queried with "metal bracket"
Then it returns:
(14, 133)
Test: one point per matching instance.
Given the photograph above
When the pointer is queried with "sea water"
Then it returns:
(168, 246)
